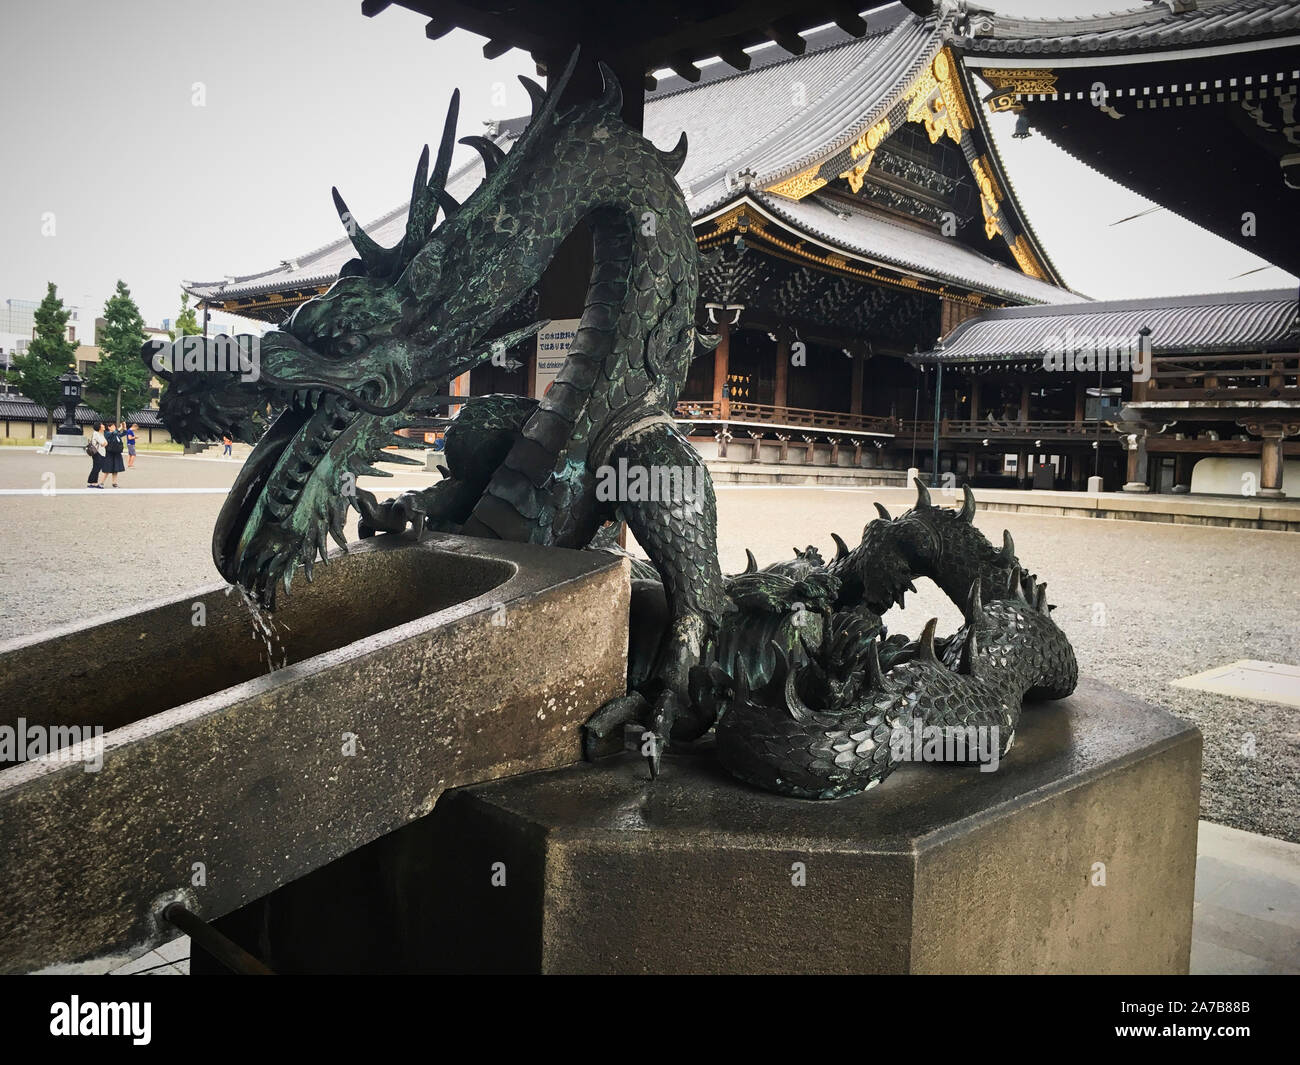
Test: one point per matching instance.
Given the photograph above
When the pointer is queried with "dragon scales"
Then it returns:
(791, 664)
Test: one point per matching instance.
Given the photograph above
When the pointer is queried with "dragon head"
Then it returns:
(349, 368)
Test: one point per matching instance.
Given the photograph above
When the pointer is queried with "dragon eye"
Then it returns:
(350, 344)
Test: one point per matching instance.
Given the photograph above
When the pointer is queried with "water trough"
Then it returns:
(407, 669)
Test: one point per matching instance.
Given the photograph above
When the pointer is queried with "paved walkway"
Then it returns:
(1246, 919)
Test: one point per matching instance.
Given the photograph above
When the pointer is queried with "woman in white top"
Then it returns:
(99, 448)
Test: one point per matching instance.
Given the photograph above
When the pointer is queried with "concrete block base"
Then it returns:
(1076, 856)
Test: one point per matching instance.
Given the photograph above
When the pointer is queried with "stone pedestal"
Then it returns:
(65, 443)
(1076, 856)
(1094, 485)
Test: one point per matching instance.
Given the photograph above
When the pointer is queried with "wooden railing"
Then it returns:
(788, 417)
(978, 428)
(1220, 377)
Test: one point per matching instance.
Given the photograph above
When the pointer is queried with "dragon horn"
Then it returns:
(927, 641)
(675, 157)
(841, 548)
(968, 505)
(974, 602)
(442, 165)
(427, 190)
(536, 94)
(751, 563)
(374, 256)
(922, 493)
(1008, 546)
(880, 509)
(611, 94)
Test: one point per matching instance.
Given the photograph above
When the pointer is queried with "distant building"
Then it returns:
(18, 328)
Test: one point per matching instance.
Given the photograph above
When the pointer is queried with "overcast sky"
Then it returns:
(163, 140)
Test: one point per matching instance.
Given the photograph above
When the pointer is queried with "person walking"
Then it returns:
(96, 449)
(225, 446)
(130, 445)
(112, 464)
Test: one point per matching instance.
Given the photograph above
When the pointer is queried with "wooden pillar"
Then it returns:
(1183, 466)
(1271, 454)
(1080, 398)
(780, 389)
(1024, 404)
(1136, 475)
(855, 399)
(459, 387)
(1270, 466)
(721, 361)
(975, 399)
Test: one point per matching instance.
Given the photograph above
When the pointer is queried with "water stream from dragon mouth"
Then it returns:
(264, 628)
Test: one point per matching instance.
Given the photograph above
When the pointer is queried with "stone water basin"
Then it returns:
(407, 668)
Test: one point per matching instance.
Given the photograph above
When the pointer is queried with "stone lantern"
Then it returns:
(68, 438)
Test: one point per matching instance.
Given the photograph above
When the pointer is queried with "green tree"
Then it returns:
(50, 353)
(120, 380)
(187, 322)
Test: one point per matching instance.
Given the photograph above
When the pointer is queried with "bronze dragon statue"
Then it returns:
(790, 663)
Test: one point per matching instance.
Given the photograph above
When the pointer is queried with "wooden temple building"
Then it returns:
(881, 297)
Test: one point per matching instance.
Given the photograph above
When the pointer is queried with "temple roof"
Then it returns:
(1189, 103)
(777, 118)
(850, 227)
(1143, 28)
(1216, 322)
(753, 130)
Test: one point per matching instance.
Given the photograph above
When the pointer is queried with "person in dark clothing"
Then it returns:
(113, 464)
(130, 445)
(96, 450)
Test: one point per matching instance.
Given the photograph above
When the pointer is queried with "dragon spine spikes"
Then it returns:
(922, 494)
(492, 155)
(926, 651)
(968, 505)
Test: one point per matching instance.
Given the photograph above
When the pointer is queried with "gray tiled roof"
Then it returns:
(778, 119)
(19, 408)
(1146, 27)
(773, 120)
(1216, 322)
(911, 248)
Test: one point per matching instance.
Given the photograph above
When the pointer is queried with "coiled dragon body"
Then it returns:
(791, 662)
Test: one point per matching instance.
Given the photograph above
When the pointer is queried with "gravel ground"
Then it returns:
(1143, 603)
